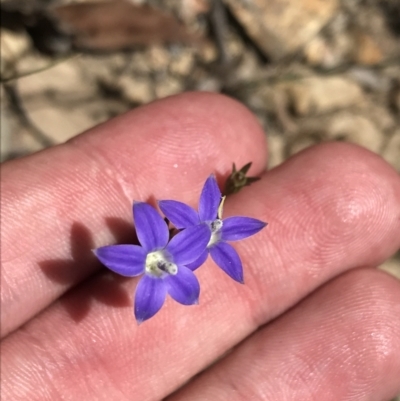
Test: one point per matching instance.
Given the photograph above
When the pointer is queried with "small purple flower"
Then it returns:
(163, 263)
(235, 228)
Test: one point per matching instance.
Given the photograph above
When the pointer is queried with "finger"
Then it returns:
(59, 204)
(325, 217)
(341, 343)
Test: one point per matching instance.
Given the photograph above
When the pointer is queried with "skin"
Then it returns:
(313, 321)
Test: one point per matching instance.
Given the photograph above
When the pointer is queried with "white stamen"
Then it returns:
(216, 227)
(171, 268)
(157, 264)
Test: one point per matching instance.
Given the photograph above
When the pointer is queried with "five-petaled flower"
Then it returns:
(235, 228)
(163, 262)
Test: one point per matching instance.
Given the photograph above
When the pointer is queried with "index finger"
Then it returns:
(59, 204)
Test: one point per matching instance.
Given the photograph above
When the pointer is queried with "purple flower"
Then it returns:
(220, 231)
(163, 263)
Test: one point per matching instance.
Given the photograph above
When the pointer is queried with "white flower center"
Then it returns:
(215, 226)
(157, 264)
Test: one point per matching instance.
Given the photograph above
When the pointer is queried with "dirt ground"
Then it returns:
(311, 71)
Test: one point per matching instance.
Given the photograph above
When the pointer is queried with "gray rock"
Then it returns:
(391, 152)
(321, 95)
(349, 127)
(281, 27)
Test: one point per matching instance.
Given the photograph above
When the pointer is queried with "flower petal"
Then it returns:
(179, 214)
(151, 229)
(225, 256)
(209, 200)
(189, 244)
(237, 228)
(126, 260)
(184, 286)
(198, 262)
(149, 297)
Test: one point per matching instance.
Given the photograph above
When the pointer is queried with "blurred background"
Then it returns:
(311, 70)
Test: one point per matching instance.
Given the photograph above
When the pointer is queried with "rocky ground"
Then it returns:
(311, 70)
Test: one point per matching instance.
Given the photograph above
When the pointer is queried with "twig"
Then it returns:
(44, 68)
(18, 108)
(220, 27)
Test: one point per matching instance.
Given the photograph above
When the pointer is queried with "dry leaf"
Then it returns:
(118, 25)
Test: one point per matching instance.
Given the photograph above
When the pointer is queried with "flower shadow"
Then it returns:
(81, 264)
(103, 286)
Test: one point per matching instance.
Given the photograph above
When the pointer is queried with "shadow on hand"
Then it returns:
(82, 262)
(105, 287)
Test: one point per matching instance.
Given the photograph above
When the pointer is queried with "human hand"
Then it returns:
(333, 212)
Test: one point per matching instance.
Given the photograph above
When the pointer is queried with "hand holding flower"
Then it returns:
(309, 323)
